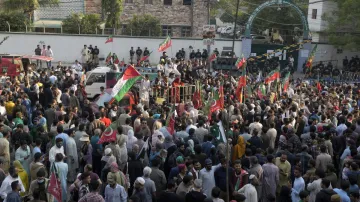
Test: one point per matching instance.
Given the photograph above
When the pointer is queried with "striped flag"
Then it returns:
(165, 45)
(241, 85)
(240, 62)
(108, 59)
(273, 75)
(110, 39)
(116, 59)
(123, 85)
(170, 121)
(212, 57)
(286, 82)
(311, 57)
(144, 58)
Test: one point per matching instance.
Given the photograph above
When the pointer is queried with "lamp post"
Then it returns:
(8, 25)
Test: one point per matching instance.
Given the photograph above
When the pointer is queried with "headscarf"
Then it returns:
(239, 148)
(18, 166)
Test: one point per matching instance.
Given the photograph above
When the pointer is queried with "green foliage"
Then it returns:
(112, 10)
(344, 25)
(17, 21)
(143, 25)
(88, 23)
(285, 19)
(27, 6)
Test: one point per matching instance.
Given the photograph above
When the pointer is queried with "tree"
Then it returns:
(17, 21)
(112, 10)
(88, 23)
(27, 6)
(344, 26)
(143, 25)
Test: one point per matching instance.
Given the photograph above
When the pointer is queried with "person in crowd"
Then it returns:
(6, 185)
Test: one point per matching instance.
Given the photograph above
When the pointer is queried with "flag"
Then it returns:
(273, 75)
(261, 91)
(116, 59)
(54, 186)
(286, 82)
(218, 132)
(109, 40)
(318, 86)
(108, 59)
(240, 62)
(221, 96)
(165, 45)
(215, 104)
(144, 58)
(124, 84)
(109, 134)
(311, 57)
(170, 120)
(241, 85)
(212, 57)
(248, 91)
(197, 101)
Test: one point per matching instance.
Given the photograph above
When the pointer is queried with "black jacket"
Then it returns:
(324, 195)
(195, 196)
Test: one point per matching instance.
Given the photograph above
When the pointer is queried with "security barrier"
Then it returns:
(174, 94)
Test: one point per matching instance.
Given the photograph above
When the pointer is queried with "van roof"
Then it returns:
(101, 69)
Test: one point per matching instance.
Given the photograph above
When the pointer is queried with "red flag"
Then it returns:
(143, 58)
(197, 100)
(273, 75)
(222, 98)
(54, 187)
(109, 40)
(109, 134)
(212, 57)
(170, 121)
(240, 62)
(318, 86)
(165, 45)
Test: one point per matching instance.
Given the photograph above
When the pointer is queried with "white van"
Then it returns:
(94, 80)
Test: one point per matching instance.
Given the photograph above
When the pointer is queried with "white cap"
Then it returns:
(107, 151)
(140, 180)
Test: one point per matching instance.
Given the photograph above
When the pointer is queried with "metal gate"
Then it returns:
(174, 94)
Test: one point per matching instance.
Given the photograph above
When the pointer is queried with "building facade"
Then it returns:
(317, 25)
(179, 18)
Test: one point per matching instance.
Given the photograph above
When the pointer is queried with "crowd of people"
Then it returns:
(301, 145)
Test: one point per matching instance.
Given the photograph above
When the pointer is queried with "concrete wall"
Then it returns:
(67, 48)
(325, 7)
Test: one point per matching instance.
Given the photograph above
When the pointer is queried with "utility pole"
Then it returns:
(236, 17)
(208, 46)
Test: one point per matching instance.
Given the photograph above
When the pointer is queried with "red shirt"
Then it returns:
(106, 121)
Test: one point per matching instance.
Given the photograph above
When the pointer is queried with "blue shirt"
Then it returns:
(13, 197)
(94, 143)
(346, 153)
(36, 150)
(115, 195)
(343, 195)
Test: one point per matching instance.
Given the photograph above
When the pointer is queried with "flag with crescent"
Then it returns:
(109, 134)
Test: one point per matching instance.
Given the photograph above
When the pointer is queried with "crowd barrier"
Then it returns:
(173, 94)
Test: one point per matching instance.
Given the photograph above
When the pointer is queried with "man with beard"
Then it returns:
(57, 148)
(206, 175)
(5, 188)
(40, 185)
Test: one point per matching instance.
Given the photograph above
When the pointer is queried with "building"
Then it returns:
(178, 18)
(317, 25)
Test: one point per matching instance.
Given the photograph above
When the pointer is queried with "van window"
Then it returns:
(96, 78)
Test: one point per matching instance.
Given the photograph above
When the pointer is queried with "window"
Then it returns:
(314, 14)
(187, 2)
(96, 78)
(129, 1)
(166, 30)
(148, 1)
(168, 2)
(186, 31)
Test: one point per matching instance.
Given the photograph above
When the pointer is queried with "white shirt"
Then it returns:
(77, 67)
(255, 125)
(53, 79)
(5, 188)
(2, 110)
(249, 192)
(49, 53)
(53, 151)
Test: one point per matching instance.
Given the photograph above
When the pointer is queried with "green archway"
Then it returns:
(247, 41)
(277, 2)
